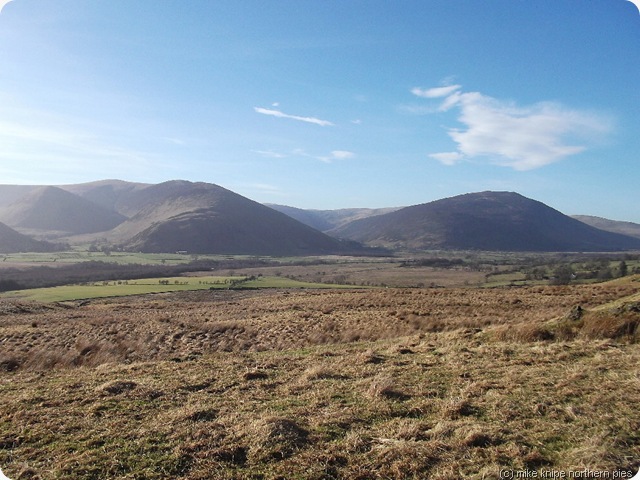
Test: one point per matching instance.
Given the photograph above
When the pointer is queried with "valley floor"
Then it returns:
(338, 384)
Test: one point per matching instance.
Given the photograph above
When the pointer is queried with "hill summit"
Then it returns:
(494, 221)
(199, 217)
(206, 218)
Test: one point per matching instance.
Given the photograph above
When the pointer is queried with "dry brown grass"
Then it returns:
(621, 322)
(241, 385)
(178, 326)
(374, 272)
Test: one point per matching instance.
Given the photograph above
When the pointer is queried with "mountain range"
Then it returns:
(167, 217)
(503, 221)
(199, 217)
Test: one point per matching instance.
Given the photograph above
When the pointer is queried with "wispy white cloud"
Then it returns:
(174, 141)
(415, 109)
(523, 138)
(447, 158)
(342, 154)
(336, 155)
(435, 92)
(279, 114)
(332, 156)
(269, 153)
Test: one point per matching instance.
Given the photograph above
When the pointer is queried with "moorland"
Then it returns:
(181, 331)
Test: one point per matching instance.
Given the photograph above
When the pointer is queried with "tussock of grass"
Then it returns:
(116, 387)
(619, 322)
(275, 439)
(384, 386)
(524, 332)
(318, 372)
(370, 356)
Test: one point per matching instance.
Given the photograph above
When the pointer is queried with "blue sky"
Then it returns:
(329, 103)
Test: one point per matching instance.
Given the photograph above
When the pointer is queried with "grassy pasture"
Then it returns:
(487, 269)
(143, 286)
(116, 289)
(77, 256)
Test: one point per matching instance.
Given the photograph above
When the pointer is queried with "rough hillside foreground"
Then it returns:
(431, 383)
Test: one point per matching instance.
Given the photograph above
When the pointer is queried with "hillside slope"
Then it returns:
(484, 221)
(352, 384)
(624, 228)
(52, 209)
(110, 194)
(206, 218)
(12, 241)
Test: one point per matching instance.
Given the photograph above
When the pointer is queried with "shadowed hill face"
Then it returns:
(13, 242)
(210, 231)
(206, 218)
(54, 209)
(156, 204)
(484, 221)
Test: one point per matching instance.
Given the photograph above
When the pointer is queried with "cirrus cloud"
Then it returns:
(435, 92)
(447, 158)
(523, 138)
(279, 114)
(341, 154)
(334, 155)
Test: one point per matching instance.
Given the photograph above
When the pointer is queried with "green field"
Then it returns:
(119, 288)
(76, 256)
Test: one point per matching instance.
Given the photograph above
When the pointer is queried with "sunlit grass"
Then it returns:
(77, 256)
(119, 288)
(320, 384)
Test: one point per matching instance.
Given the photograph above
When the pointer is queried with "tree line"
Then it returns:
(96, 271)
